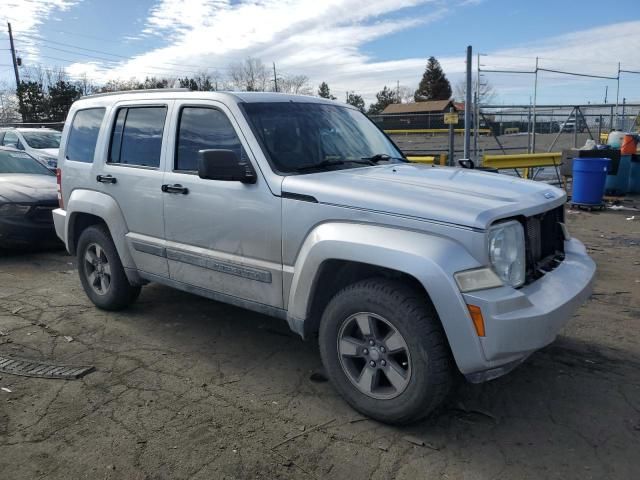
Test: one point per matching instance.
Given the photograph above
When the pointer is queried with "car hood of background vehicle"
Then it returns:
(457, 196)
(51, 152)
(27, 188)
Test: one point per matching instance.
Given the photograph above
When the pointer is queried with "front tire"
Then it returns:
(384, 350)
(101, 272)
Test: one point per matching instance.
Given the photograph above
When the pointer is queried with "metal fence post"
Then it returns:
(450, 161)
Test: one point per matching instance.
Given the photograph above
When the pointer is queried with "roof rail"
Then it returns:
(142, 90)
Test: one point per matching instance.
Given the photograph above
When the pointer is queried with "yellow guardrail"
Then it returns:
(481, 131)
(429, 159)
(523, 160)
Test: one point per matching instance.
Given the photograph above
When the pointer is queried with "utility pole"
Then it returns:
(617, 97)
(275, 77)
(476, 115)
(398, 91)
(467, 107)
(606, 91)
(535, 100)
(13, 56)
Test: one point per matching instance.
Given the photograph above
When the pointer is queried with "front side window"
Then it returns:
(137, 136)
(42, 139)
(202, 128)
(83, 135)
(309, 137)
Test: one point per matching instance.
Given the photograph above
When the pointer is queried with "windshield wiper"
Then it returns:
(331, 163)
(382, 157)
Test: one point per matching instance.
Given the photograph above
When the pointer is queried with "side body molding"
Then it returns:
(431, 259)
(103, 206)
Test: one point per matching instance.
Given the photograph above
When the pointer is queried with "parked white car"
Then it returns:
(41, 143)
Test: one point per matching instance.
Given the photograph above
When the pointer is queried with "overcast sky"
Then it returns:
(351, 44)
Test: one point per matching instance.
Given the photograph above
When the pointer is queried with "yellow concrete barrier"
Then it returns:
(420, 159)
(604, 138)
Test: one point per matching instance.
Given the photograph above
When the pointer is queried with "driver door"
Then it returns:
(222, 236)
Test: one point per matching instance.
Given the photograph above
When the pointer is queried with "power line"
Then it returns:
(32, 37)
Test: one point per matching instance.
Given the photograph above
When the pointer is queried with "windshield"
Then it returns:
(42, 139)
(307, 137)
(20, 162)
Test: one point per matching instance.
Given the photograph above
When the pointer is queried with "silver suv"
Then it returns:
(302, 209)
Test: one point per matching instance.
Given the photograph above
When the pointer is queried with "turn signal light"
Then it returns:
(476, 317)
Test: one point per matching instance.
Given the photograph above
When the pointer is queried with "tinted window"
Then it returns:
(81, 145)
(203, 129)
(10, 139)
(42, 139)
(137, 136)
(19, 162)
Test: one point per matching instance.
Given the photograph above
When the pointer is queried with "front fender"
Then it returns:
(105, 207)
(430, 259)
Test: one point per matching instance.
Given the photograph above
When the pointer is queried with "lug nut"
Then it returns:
(371, 342)
(365, 351)
(372, 363)
(382, 349)
(383, 363)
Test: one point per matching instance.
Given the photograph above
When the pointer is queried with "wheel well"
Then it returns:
(79, 223)
(334, 275)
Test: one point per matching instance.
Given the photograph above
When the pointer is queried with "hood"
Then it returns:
(24, 188)
(51, 152)
(457, 196)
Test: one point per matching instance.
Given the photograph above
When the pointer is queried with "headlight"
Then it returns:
(507, 252)
(13, 209)
(47, 160)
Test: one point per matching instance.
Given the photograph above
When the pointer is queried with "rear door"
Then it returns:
(133, 174)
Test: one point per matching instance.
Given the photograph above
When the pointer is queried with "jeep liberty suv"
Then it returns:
(302, 209)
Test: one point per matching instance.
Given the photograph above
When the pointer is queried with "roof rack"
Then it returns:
(142, 90)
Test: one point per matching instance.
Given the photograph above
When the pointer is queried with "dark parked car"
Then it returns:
(28, 194)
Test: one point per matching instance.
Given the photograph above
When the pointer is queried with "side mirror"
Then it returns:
(224, 165)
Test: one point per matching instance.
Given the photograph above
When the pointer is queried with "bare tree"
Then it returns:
(295, 84)
(405, 94)
(250, 75)
(8, 105)
(86, 85)
(487, 92)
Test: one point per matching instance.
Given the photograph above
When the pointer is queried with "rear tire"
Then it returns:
(401, 369)
(101, 272)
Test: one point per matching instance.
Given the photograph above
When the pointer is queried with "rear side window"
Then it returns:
(83, 136)
(137, 136)
(203, 128)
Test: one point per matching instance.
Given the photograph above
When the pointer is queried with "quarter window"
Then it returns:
(11, 139)
(137, 136)
(83, 136)
(202, 128)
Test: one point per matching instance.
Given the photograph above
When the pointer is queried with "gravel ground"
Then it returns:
(415, 143)
(189, 388)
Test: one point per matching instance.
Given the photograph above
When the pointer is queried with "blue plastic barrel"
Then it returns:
(618, 184)
(589, 177)
(634, 175)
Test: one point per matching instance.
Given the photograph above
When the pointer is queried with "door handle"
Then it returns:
(106, 179)
(176, 188)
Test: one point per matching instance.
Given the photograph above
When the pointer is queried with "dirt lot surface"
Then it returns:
(415, 143)
(188, 388)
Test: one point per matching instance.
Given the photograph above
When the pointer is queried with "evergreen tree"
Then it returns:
(385, 97)
(434, 84)
(324, 92)
(355, 100)
(32, 101)
(61, 95)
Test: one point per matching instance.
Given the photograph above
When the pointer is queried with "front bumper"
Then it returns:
(519, 322)
(20, 232)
